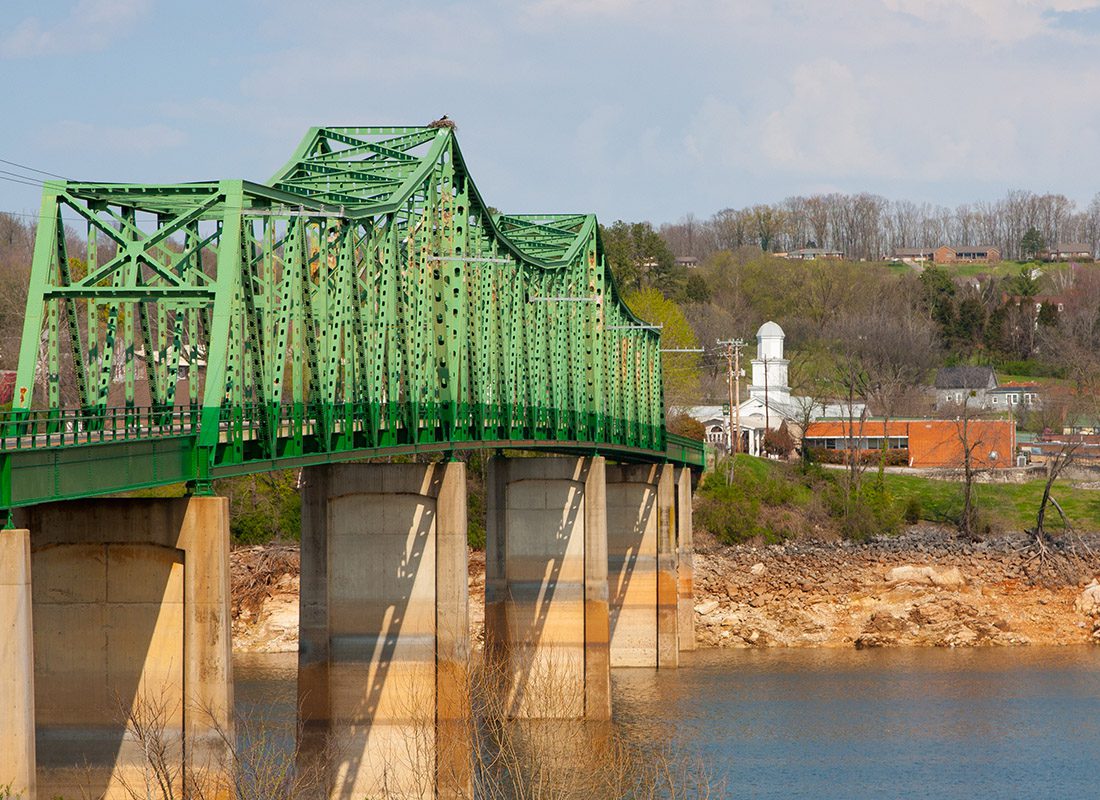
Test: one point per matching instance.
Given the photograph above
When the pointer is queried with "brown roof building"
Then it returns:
(914, 253)
(966, 255)
(1067, 251)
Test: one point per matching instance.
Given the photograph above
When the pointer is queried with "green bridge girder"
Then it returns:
(365, 303)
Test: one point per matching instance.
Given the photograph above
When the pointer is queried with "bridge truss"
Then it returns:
(366, 302)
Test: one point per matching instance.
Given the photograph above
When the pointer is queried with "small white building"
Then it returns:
(770, 402)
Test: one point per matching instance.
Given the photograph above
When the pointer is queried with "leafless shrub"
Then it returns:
(485, 752)
(252, 761)
(521, 758)
(255, 577)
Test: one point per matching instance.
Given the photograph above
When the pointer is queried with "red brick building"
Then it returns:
(966, 255)
(929, 442)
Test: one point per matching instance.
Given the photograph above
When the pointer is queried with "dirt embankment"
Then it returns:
(265, 590)
(923, 588)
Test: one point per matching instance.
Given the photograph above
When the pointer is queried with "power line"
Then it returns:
(21, 177)
(32, 169)
(24, 180)
(39, 217)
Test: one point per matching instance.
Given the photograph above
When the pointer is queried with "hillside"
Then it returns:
(771, 501)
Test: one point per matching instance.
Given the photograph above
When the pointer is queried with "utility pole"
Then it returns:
(733, 381)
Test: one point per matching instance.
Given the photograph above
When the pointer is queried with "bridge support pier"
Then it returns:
(16, 665)
(131, 629)
(384, 639)
(642, 565)
(546, 612)
(685, 550)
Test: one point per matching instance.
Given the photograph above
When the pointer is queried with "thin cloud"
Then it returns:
(91, 25)
(1001, 21)
(143, 140)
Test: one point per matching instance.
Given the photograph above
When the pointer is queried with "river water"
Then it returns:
(909, 723)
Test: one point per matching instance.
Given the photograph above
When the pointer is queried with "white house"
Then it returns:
(770, 402)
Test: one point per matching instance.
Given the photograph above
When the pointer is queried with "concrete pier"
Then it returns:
(642, 565)
(546, 601)
(384, 643)
(685, 568)
(16, 666)
(131, 628)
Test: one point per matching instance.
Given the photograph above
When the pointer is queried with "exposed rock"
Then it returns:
(947, 578)
(922, 588)
(706, 607)
(1088, 602)
(806, 593)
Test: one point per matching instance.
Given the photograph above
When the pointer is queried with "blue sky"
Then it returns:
(630, 108)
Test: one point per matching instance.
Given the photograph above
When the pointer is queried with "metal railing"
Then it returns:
(335, 427)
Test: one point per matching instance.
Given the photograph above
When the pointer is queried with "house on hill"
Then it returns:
(980, 389)
(1067, 251)
(946, 254)
(956, 385)
(918, 254)
(1013, 395)
(814, 253)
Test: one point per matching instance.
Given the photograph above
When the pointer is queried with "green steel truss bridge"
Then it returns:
(367, 302)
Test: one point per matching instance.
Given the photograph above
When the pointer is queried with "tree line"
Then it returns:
(870, 227)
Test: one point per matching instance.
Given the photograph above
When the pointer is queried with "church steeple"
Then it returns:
(769, 368)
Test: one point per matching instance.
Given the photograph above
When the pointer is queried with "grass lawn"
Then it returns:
(1010, 506)
(899, 268)
(1001, 269)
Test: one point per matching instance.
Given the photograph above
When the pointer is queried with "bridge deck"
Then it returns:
(43, 459)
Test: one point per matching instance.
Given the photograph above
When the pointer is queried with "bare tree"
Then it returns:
(970, 441)
(898, 349)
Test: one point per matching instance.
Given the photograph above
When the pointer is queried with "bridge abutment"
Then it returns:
(546, 601)
(642, 565)
(17, 766)
(132, 643)
(384, 644)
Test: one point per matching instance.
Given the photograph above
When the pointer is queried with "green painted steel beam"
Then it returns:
(365, 303)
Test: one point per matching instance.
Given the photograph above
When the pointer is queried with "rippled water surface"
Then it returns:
(920, 723)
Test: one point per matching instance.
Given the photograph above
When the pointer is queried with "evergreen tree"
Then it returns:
(1031, 243)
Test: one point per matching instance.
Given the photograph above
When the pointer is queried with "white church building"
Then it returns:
(770, 402)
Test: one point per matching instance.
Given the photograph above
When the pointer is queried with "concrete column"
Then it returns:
(131, 624)
(384, 641)
(16, 665)
(685, 567)
(642, 565)
(208, 627)
(546, 602)
(668, 637)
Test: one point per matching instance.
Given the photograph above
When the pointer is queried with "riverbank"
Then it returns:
(921, 588)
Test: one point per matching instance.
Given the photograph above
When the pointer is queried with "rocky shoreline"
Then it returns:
(922, 588)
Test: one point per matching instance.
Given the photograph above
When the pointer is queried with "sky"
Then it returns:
(633, 109)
